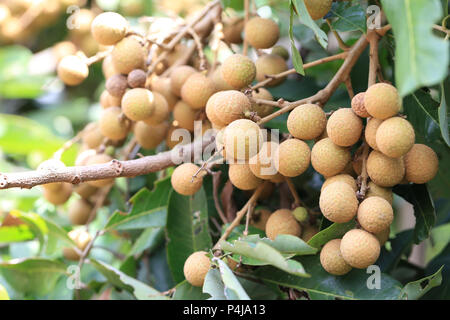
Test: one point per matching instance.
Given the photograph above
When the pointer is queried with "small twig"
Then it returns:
(374, 64)
(98, 57)
(361, 193)
(348, 85)
(216, 182)
(199, 45)
(67, 145)
(246, 18)
(297, 201)
(341, 42)
(247, 220)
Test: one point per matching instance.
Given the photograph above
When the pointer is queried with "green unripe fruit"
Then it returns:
(301, 214)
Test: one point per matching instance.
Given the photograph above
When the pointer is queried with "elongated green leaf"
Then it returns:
(119, 279)
(296, 57)
(36, 224)
(149, 240)
(233, 288)
(185, 291)
(305, 18)
(389, 259)
(349, 18)
(15, 233)
(443, 114)
(286, 244)
(416, 289)
(56, 231)
(336, 230)
(421, 58)
(214, 286)
(443, 259)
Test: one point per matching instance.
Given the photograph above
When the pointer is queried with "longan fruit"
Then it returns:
(219, 82)
(358, 105)
(150, 136)
(385, 171)
(344, 127)
(377, 191)
(421, 164)
(270, 64)
(79, 212)
(179, 76)
(108, 28)
(309, 232)
(242, 139)
(138, 104)
(259, 218)
(280, 51)
(184, 115)
(371, 132)
(242, 178)
(238, 71)
(60, 195)
(172, 142)
(196, 267)
(81, 239)
(85, 190)
(72, 70)
(261, 33)
(261, 109)
(375, 214)
(128, 54)
(183, 181)
(382, 101)
(232, 30)
(346, 178)
(107, 100)
(338, 202)
(293, 157)
(99, 159)
(92, 136)
(116, 85)
(108, 68)
(111, 124)
(226, 106)
(301, 214)
(137, 78)
(161, 110)
(395, 137)
(383, 236)
(359, 248)
(62, 49)
(162, 85)
(282, 222)
(318, 8)
(197, 89)
(329, 159)
(263, 165)
(331, 258)
(307, 121)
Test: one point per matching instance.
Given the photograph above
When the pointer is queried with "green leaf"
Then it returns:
(443, 259)
(286, 244)
(389, 259)
(237, 5)
(187, 229)
(32, 276)
(233, 288)
(185, 291)
(296, 57)
(421, 58)
(36, 224)
(214, 286)
(149, 240)
(348, 18)
(442, 111)
(57, 232)
(305, 18)
(416, 289)
(336, 230)
(15, 233)
(419, 197)
(119, 279)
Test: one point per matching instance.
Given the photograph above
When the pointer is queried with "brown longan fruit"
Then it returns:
(261, 109)
(137, 78)
(196, 267)
(171, 142)
(307, 121)
(375, 214)
(359, 248)
(112, 125)
(270, 64)
(346, 178)
(263, 165)
(117, 85)
(261, 33)
(162, 85)
(226, 106)
(344, 127)
(242, 139)
(282, 222)
(318, 8)
(421, 164)
(108, 28)
(395, 137)
(179, 76)
(371, 132)
(82, 19)
(92, 136)
(238, 71)
(329, 159)
(242, 177)
(280, 51)
(259, 218)
(232, 30)
(62, 49)
(377, 191)
(184, 115)
(128, 54)
(85, 190)
(385, 171)
(79, 212)
(183, 181)
(138, 104)
(197, 89)
(309, 231)
(107, 100)
(358, 105)
(72, 70)
(383, 236)
(99, 159)
(150, 136)
(161, 110)
(338, 202)
(219, 82)
(331, 258)
(293, 157)
(81, 239)
(108, 68)
(60, 195)
(382, 101)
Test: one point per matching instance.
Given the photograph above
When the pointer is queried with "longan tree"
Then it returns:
(264, 149)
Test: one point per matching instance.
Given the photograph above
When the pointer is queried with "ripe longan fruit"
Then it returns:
(107, 100)
(318, 8)
(182, 180)
(60, 195)
(92, 136)
(179, 76)
(382, 101)
(280, 51)
(331, 258)
(259, 218)
(261, 33)
(137, 78)
(112, 126)
(184, 115)
(262, 110)
(358, 105)
(263, 165)
(162, 85)
(346, 178)
(219, 82)
(329, 159)
(421, 164)
(138, 104)
(81, 239)
(338, 202)
(344, 127)
(72, 70)
(150, 136)
(238, 71)
(79, 212)
(282, 222)
(226, 106)
(375, 214)
(395, 137)
(359, 248)
(371, 132)
(197, 89)
(307, 121)
(270, 64)
(99, 159)
(161, 110)
(85, 190)
(385, 171)
(309, 232)
(108, 68)
(232, 30)
(196, 267)
(108, 28)
(171, 142)
(116, 85)
(377, 191)
(242, 139)
(293, 157)
(128, 54)
(62, 49)
(383, 236)
(242, 178)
